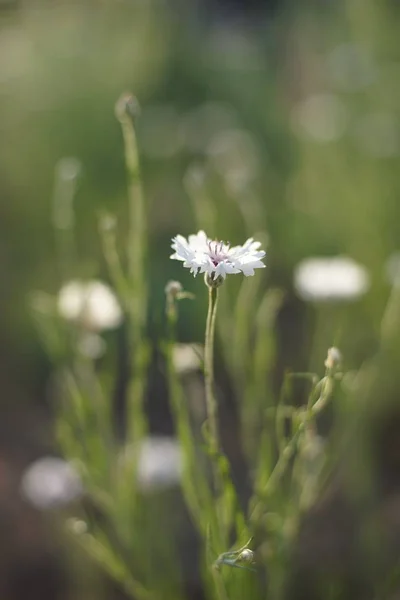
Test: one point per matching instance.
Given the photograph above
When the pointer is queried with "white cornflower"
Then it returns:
(92, 304)
(217, 259)
(330, 279)
(160, 463)
(51, 482)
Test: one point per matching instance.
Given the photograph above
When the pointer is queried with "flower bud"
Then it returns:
(213, 282)
(333, 359)
(246, 556)
(127, 106)
(173, 288)
(107, 222)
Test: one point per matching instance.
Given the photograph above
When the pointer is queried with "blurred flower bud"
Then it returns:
(67, 171)
(174, 292)
(68, 168)
(246, 556)
(107, 222)
(173, 288)
(127, 106)
(333, 359)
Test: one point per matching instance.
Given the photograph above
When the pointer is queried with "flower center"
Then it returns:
(217, 252)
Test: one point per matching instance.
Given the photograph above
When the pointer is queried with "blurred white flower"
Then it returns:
(187, 357)
(392, 268)
(50, 483)
(323, 117)
(160, 463)
(92, 304)
(330, 279)
(378, 134)
(217, 259)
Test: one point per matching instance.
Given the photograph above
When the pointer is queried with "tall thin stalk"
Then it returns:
(136, 299)
(211, 404)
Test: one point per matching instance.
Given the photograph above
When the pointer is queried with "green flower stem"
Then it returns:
(64, 221)
(108, 236)
(136, 303)
(327, 385)
(325, 388)
(194, 486)
(211, 404)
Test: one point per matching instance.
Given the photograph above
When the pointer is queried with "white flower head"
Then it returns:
(330, 279)
(92, 304)
(217, 259)
(159, 463)
(51, 482)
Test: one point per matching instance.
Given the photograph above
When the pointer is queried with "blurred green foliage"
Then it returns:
(323, 175)
(287, 128)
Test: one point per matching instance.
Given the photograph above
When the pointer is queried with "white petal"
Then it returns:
(176, 256)
(198, 241)
(247, 270)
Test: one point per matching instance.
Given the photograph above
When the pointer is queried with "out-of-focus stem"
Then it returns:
(126, 110)
(63, 217)
(275, 476)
